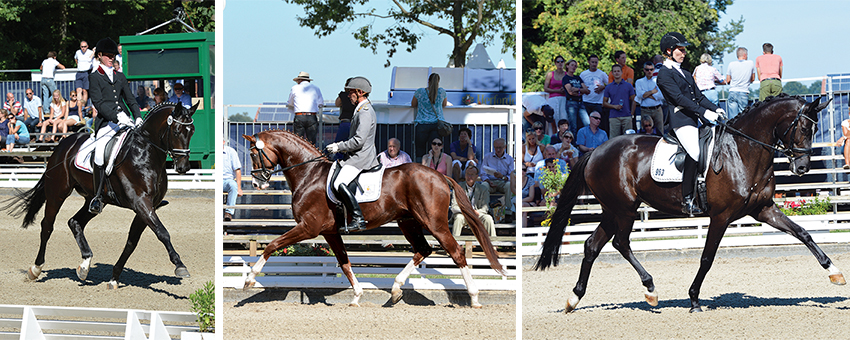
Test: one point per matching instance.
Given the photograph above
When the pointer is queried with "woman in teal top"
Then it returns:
(429, 103)
(17, 133)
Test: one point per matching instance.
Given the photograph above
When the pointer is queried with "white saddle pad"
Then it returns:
(84, 160)
(662, 167)
(370, 181)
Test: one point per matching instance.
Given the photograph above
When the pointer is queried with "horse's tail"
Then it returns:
(27, 203)
(477, 227)
(574, 186)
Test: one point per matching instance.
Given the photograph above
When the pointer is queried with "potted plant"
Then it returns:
(203, 303)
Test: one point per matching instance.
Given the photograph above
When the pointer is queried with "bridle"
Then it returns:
(779, 145)
(174, 152)
(264, 174)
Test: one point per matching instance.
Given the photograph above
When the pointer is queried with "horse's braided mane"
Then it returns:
(296, 135)
(755, 105)
(158, 107)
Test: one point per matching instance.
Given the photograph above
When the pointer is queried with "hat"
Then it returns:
(302, 76)
(359, 83)
(178, 86)
(107, 45)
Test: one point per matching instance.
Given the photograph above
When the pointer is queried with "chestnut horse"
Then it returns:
(138, 182)
(416, 196)
(740, 182)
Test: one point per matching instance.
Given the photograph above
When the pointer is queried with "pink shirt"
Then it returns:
(768, 66)
(704, 76)
(555, 84)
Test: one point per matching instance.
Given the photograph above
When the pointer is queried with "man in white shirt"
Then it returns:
(48, 73)
(739, 76)
(535, 108)
(649, 96)
(596, 81)
(305, 100)
(84, 58)
(32, 110)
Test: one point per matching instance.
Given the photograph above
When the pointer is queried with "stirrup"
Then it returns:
(357, 224)
(96, 205)
(690, 208)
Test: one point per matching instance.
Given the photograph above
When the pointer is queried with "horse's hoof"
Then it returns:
(354, 304)
(651, 298)
(837, 279)
(33, 273)
(112, 285)
(248, 284)
(82, 273)
(572, 303)
(396, 296)
(696, 310)
(181, 272)
(476, 305)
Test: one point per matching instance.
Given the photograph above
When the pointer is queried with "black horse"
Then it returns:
(138, 182)
(740, 183)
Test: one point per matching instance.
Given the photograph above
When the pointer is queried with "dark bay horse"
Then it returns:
(138, 182)
(416, 196)
(617, 173)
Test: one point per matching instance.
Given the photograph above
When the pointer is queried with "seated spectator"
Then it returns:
(181, 97)
(479, 195)
(550, 154)
(591, 136)
(74, 116)
(393, 156)
(496, 166)
(142, 98)
(4, 126)
(58, 113)
(531, 152)
(845, 129)
(437, 159)
(535, 108)
(566, 150)
(33, 113)
(18, 133)
(13, 106)
(648, 126)
(159, 96)
(463, 153)
(563, 125)
(542, 138)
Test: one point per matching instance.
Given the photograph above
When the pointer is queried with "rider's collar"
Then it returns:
(670, 63)
(360, 105)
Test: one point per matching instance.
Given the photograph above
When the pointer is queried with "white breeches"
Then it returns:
(101, 138)
(346, 175)
(689, 137)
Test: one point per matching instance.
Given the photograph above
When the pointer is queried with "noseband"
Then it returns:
(264, 174)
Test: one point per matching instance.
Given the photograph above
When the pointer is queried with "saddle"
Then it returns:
(678, 158)
(367, 182)
(85, 156)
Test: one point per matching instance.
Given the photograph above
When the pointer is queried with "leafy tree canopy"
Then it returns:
(794, 88)
(576, 29)
(30, 29)
(241, 117)
(465, 21)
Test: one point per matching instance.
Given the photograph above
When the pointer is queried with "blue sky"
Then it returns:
(808, 35)
(264, 48)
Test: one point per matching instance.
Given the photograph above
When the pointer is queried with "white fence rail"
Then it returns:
(43, 322)
(323, 272)
(691, 232)
(26, 177)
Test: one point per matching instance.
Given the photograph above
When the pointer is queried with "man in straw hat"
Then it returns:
(305, 100)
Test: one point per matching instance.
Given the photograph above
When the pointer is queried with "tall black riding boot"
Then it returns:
(689, 174)
(347, 197)
(96, 206)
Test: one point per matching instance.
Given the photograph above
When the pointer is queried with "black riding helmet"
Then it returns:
(672, 40)
(107, 45)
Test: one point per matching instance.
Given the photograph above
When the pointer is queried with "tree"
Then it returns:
(579, 28)
(465, 21)
(240, 117)
(30, 29)
(794, 88)
(816, 87)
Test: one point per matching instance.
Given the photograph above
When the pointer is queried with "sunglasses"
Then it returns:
(84, 46)
(559, 61)
(600, 118)
(648, 69)
(29, 93)
(437, 143)
(647, 125)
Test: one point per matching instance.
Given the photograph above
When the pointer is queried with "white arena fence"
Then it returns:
(44, 322)
(686, 233)
(27, 177)
(324, 272)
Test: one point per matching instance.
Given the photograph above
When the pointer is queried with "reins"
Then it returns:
(265, 174)
(788, 152)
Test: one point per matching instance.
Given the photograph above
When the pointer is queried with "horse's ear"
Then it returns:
(194, 108)
(249, 138)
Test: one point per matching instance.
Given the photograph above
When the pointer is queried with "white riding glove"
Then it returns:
(711, 116)
(124, 120)
(333, 147)
(721, 113)
(139, 121)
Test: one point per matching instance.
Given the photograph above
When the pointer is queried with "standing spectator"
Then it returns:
(232, 178)
(542, 138)
(619, 97)
(32, 110)
(305, 100)
(13, 106)
(628, 75)
(575, 88)
(479, 196)
(769, 68)
(74, 115)
(566, 150)
(739, 75)
(181, 97)
(707, 77)
(393, 155)
(596, 80)
(535, 109)
(463, 153)
(48, 74)
(648, 126)
(437, 159)
(119, 60)
(18, 133)
(563, 125)
(58, 112)
(842, 142)
(84, 58)
(142, 98)
(496, 166)
(531, 152)
(663, 124)
(648, 95)
(428, 103)
(591, 136)
(346, 111)
(554, 86)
